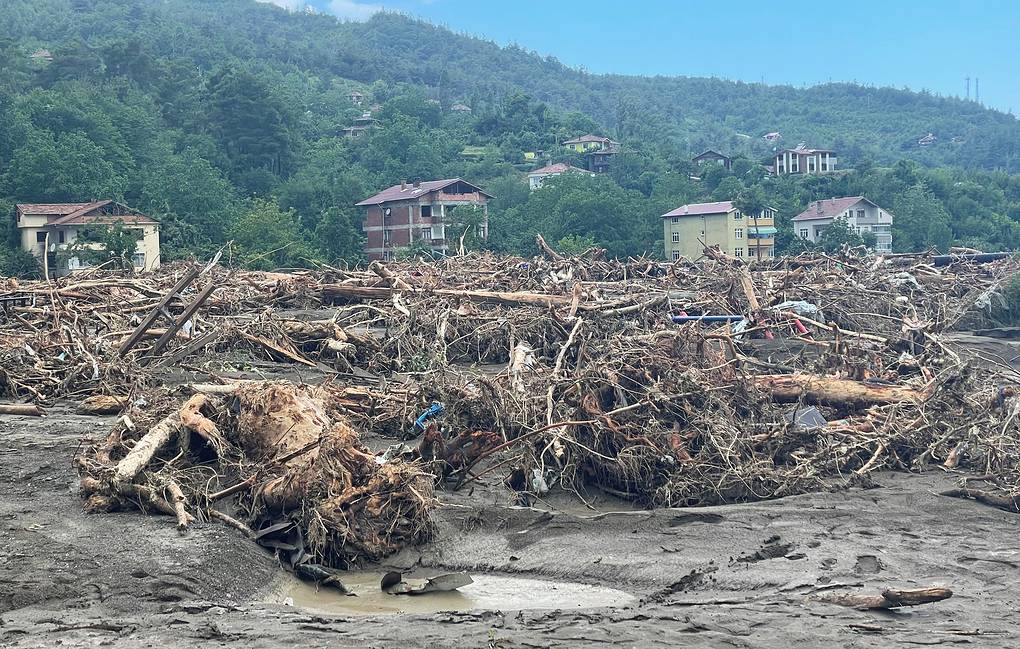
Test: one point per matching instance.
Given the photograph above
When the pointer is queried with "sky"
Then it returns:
(920, 44)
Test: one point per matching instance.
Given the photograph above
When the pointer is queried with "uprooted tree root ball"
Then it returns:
(281, 452)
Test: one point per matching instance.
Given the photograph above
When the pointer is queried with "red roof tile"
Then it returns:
(50, 208)
(590, 138)
(409, 192)
(697, 209)
(830, 207)
(557, 168)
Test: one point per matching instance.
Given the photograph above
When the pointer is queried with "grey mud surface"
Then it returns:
(735, 576)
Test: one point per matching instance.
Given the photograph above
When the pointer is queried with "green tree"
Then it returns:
(267, 238)
(66, 168)
(839, 234)
(920, 221)
(106, 244)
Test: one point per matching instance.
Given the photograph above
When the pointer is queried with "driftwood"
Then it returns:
(146, 448)
(102, 404)
(833, 390)
(28, 409)
(890, 598)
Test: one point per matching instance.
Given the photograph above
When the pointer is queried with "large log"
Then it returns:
(29, 409)
(348, 291)
(146, 448)
(834, 390)
(102, 404)
(890, 598)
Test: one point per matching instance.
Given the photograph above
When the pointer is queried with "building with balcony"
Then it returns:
(711, 157)
(688, 229)
(804, 161)
(432, 211)
(587, 143)
(48, 231)
(860, 214)
(362, 125)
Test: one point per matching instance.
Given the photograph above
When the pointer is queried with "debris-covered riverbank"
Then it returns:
(415, 388)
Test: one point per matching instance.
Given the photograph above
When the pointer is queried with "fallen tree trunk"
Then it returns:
(332, 291)
(28, 409)
(146, 448)
(833, 390)
(102, 404)
(890, 598)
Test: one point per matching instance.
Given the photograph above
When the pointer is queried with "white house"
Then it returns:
(538, 176)
(860, 214)
(48, 229)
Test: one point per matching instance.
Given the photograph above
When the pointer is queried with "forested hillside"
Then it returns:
(224, 121)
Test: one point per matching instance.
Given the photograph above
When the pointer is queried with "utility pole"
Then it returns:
(977, 90)
(968, 88)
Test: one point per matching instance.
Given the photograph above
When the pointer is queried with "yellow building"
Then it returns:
(49, 229)
(688, 229)
(587, 143)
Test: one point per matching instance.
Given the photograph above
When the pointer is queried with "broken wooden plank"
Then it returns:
(147, 322)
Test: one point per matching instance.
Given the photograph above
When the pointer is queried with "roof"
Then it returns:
(697, 209)
(558, 168)
(711, 154)
(59, 209)
(807, 151)
(588, 138)
(77, 213)
(407, 191)
(829, 208)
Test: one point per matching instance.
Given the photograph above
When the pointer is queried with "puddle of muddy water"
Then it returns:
(487, 592)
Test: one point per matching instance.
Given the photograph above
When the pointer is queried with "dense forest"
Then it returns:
(224, 121)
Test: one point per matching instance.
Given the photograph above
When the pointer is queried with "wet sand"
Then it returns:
(734, 576)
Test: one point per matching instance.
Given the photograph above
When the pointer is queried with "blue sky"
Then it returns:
(920, 44)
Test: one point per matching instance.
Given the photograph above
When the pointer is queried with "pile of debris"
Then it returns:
(670, 384)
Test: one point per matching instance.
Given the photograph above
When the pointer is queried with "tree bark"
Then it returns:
(833, 390)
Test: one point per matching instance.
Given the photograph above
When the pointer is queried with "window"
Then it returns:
(737, 215)
(138, 260)
(426, 233)
(772, 252)
(860, 214)
(438, 232)
(60, 237)
(738, 233)
(739, 252)
(387, 237)
(426, 211)
(40, 237)
(811, 165)
(676, 237)
(481, 231)
(675, 219)
(675, 255)
(803, 233)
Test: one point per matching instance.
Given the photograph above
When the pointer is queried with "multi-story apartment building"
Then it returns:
(399, 216)
(804, 161)
(688, 229)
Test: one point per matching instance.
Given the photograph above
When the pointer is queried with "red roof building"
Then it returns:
(404, 214)
(48, 229)
(538, 176)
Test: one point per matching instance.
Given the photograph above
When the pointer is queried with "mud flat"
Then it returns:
(740, 576)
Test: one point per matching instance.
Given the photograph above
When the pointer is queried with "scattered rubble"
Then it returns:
(670, 384)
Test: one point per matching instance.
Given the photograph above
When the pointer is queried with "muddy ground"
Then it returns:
(735, 576)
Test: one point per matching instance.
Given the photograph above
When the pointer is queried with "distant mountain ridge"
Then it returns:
(680, 113)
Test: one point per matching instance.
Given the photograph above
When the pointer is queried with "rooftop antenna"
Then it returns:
(968, 88)
(977, 90)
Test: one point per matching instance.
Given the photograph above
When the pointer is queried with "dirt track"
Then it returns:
(740, 576)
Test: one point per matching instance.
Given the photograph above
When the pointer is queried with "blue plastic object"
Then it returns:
(434, 410)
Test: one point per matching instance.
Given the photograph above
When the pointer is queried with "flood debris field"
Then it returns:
(747, 454)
